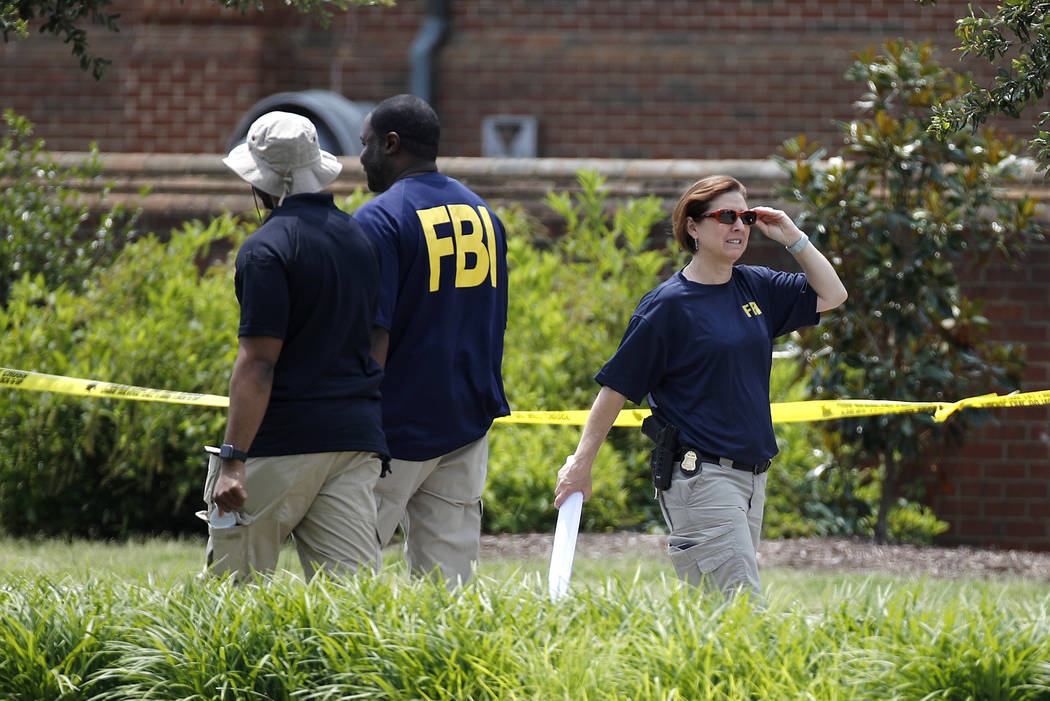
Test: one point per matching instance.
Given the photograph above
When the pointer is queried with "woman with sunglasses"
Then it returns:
(699, 347)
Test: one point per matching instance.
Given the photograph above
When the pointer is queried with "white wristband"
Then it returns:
(797, 247)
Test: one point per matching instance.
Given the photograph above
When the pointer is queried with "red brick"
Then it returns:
(978, 491)
(1004, 432)
(1028, 451)
(1007, 471)
(981, 529)
(1027, 490)
(1039, 470)
(996, 509)
(1035, 530)
(1005, 311)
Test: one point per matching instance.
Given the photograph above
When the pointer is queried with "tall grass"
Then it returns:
(67, 634)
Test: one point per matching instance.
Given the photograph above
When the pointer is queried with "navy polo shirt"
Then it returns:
(310, 277)
(703, 355)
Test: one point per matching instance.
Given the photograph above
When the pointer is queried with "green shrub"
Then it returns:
(105, 467)
(911, 522)
(570, 299)
(45, 223)
(804, 497)
(108, 638)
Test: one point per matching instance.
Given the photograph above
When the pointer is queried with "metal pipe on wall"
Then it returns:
(431, 33)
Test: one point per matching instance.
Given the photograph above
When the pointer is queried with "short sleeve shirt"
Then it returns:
(444, 301)
(703, 354)
(310, 277)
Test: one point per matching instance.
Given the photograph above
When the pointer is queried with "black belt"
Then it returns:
(735, 464)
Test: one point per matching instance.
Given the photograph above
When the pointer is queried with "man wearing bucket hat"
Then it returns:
(442, 316)
(304, 445)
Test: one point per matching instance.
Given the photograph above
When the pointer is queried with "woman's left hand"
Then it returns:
(777, 225)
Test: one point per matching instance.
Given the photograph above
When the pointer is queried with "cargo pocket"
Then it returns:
(227, 550)
(698, 554)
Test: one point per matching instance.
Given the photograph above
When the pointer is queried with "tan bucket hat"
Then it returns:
(282, 157)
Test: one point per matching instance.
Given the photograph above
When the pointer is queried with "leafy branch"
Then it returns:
(1016, 39)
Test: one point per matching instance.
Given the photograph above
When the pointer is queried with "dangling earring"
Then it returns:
(696, 244)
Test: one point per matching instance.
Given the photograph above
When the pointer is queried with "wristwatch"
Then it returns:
(798, 245)
(228, 452)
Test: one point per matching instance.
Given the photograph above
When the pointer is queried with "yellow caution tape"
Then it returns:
(627, 417)
(782, 412)
(808, 411)
(1037, 398)
(38, 382)
(829, 409)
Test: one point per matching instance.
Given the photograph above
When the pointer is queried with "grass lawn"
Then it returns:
(167, 560)
(101, 621)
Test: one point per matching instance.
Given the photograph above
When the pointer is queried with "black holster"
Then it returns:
(661, 460)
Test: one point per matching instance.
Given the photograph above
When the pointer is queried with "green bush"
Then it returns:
(803, 497)
(45, 223)
(106, 467)
(109, 638)
(570, 299)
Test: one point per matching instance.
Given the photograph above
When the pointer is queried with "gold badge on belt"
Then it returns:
(689, 461)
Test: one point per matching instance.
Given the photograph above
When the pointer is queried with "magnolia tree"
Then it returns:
(902, 211)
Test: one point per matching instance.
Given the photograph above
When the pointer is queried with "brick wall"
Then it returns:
(995, 490)
(604, 78)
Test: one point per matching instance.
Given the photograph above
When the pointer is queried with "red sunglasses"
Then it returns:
(728, 216)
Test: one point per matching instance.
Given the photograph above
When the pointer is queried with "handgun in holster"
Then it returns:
(661, 459)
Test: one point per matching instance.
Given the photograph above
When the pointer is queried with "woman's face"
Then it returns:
(720, 241)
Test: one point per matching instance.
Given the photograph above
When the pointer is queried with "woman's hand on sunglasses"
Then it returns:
(777, 225)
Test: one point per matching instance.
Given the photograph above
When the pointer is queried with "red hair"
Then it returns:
(696, 200)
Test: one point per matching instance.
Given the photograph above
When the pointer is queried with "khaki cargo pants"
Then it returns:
(438, 506)
(324, 501)
(715, 522)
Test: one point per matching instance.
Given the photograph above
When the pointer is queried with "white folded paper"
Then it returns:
(564, 545)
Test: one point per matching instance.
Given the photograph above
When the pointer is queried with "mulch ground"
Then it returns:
(824, 554)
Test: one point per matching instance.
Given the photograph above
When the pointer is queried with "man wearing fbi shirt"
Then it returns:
(439, 334)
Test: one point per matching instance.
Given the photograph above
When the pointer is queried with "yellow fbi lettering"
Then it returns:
(472, 233)
(751, 309)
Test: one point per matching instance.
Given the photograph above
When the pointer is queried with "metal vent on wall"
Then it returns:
(508, 136)
(337, 119)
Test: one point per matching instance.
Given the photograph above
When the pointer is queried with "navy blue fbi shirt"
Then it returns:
(310, 276)
(444, 302)
(703, 354)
